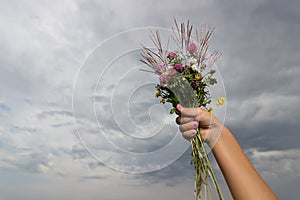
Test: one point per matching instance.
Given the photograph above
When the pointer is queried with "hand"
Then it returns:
(192, 118)
(234, 164)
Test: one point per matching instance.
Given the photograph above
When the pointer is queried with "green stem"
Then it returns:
(209, 165)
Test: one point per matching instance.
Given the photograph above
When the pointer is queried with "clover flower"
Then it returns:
(161, 68)
(172, 55)
(178, 67)
(192, 48)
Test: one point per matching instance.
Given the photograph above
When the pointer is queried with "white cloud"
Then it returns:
(276, 163)
(280, 169)
(266, 107)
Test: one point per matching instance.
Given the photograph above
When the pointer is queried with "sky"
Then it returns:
(78, 119)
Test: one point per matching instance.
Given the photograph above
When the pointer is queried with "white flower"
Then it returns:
(193, 61)
(195, 67)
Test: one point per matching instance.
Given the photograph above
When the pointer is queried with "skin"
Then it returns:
(243, 180)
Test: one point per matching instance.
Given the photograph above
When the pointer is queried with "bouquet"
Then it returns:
(185, 74)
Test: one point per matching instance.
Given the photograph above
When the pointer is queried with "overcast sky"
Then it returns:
(59, 58)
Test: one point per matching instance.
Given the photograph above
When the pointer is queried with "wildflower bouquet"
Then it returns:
(185, 75)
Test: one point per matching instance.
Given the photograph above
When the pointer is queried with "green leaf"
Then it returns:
(173, 110)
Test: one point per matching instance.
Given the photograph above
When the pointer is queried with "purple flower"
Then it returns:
(192, 48)
(194, 85)
(161, 69)
(178, 67)
(172, 54)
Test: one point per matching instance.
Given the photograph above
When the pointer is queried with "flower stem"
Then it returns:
(202, 158)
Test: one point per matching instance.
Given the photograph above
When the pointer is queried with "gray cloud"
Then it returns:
(4, 107)
(44, 114)
(58, 125)
(23, 129)
(93, 178)
(42, 45)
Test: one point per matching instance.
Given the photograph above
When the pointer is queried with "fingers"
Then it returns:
(193, 118)
(188, 135)
(188, 129)
(188, 112)
(184, 120)
(187, 123)
(188, 126)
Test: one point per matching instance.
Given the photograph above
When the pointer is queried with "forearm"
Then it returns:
(243, 180)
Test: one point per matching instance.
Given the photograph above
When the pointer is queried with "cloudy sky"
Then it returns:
(77, 117)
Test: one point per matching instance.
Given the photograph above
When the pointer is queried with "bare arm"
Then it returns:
(243, 180)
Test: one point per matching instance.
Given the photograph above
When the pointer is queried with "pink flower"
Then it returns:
(178, 67)
(171, 72)
(163, 78)
(172, 54)
(161, 69)
(192, 48)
